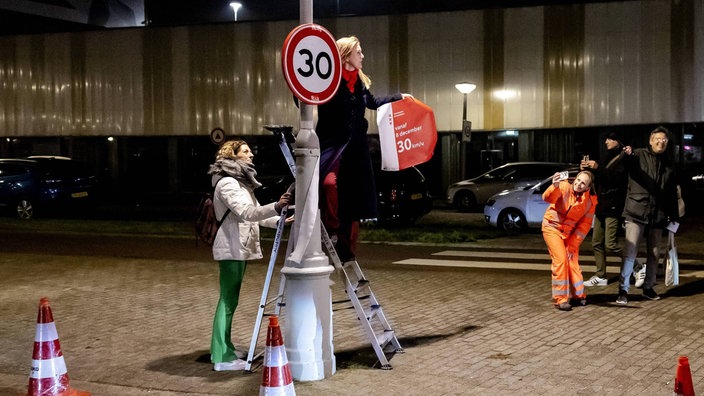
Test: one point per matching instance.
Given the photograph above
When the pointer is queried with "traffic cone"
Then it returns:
(276, 379)
(683, 378)
(48, 376)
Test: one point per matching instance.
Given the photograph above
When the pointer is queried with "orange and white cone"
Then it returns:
(277, 380)
(683, 378)
(48, 375)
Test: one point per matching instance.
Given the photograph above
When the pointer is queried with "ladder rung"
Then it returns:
(257, 356)
(375, 310)
(350, 263)
(361, 284)
(270, 301)
(385, 338)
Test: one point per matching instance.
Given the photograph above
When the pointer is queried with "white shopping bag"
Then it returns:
(672, 267)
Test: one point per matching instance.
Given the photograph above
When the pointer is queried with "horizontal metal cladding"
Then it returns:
(534, 67)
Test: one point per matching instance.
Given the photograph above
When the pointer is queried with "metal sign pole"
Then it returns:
(308, 330)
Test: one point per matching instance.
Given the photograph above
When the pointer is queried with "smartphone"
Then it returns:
(564, 175)
(585, 158)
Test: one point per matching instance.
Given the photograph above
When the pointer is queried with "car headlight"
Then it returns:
(490, 202)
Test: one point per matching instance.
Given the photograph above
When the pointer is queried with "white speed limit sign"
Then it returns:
(311, 63)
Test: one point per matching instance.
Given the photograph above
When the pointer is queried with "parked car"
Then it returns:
(471, 194)
(403, 196)
(520, 209)
(43, 182)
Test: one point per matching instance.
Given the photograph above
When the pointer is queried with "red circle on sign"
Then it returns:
(311, 63)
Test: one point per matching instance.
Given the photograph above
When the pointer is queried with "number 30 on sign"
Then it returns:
(311, 63)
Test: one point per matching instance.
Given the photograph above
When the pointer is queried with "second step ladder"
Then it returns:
(369, 311)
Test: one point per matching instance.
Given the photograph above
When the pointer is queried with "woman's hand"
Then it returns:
(556, 179)
(283, 201)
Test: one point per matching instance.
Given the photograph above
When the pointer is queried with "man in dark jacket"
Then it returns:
(651, 204)
(610, 186)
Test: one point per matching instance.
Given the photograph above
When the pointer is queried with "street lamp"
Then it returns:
(235, 7)
(465, 88)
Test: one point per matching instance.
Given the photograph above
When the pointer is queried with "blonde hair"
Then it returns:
(229, 149)
(346, 46)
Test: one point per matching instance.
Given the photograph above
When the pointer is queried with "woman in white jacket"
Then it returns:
(237, 240)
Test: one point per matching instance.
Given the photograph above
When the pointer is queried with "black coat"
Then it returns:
(610, 185)
(342, 129)
(652, 189)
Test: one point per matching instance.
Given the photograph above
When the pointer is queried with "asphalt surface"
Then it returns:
(133, 314)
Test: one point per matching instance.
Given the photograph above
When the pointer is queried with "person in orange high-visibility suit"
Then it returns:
(566, 223)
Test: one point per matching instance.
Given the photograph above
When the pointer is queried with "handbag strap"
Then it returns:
(227, 212)
(615, 159)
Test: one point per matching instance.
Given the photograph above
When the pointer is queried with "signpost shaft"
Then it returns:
(308, 330)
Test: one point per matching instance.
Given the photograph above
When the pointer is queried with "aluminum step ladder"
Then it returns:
(264, 301)
(279, 300)
(369, 311)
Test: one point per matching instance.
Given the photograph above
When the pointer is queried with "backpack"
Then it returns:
(207, 224)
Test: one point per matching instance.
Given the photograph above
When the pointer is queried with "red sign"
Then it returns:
(407, 133)
(311, 63)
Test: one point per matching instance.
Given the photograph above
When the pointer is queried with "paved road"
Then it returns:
(134, 313)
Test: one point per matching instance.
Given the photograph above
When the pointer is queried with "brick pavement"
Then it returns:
(134, 326)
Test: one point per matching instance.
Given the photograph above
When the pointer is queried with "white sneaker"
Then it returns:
(596, 281)
(234, 365)
(640, 277)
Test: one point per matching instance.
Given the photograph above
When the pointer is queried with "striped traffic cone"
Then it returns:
(683, 378)
(277, 380)
(48, 376)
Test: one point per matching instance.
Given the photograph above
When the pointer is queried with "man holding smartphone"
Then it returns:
(610, 186)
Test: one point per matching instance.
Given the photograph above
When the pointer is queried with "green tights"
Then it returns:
(231, 275)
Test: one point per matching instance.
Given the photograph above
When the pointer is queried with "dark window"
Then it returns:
(13, 169)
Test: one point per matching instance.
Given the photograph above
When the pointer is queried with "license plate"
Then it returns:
(81, 194)
(416, 196)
